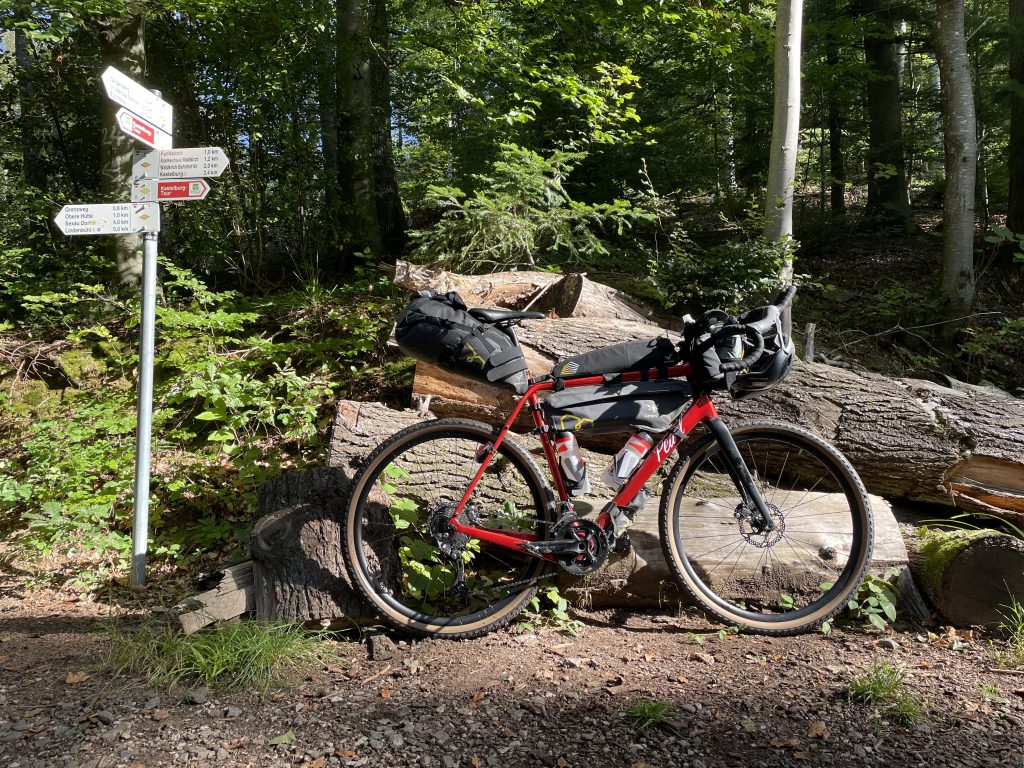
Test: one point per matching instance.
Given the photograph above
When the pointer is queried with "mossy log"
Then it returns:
(969, 575)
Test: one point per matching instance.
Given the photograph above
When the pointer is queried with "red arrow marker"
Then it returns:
(142, 130)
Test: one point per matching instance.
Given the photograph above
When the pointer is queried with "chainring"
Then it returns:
(595, 545)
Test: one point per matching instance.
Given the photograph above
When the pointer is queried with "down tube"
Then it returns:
(701, 409)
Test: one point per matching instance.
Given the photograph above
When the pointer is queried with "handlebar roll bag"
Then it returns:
(649, 405)
(436, 329)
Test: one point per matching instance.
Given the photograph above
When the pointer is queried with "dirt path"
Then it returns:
(535, 699)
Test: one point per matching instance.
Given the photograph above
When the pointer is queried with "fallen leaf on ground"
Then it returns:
(385, 693)
(318, 763)
(563, 763)
(285, 738)
(819, 730)
(160, 714)
(802, 755)
(346, 753)
(478, 695)
(641, 765)
(74, 678)
(475, 761)
(778, 743)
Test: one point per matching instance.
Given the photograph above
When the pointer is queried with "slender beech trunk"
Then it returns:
(122, 45)
(888, 202)
(778, 224)
(961, 157)
(1015, 150)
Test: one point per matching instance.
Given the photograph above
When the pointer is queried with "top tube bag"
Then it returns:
(436, 328)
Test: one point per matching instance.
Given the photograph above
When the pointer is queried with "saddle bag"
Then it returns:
(437, 329)
(649, 405)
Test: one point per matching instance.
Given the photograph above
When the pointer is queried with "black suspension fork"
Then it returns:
(740, 474)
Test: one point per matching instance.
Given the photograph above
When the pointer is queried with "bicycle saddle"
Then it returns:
(500, 315)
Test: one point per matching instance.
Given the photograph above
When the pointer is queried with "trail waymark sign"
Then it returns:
(138, 99)
(179, 163)
(142, 130)
(108, 219)
(169, 190)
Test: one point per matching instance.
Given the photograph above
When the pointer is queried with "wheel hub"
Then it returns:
(755, 534)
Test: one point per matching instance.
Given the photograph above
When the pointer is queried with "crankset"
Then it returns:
(579, 546)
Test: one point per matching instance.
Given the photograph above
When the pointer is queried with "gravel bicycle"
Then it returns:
(450, 526)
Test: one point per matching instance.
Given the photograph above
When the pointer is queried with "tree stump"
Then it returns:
(969, 575)
(298, 567)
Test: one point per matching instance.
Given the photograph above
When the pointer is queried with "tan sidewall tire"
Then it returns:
(668, 529)
(384, 452)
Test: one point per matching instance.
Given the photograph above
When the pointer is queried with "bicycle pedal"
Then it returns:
(623, 544)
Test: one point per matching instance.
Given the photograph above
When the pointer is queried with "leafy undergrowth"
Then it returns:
(243, 391)
(246, 655)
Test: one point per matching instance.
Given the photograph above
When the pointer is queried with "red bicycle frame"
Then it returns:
(701, 409)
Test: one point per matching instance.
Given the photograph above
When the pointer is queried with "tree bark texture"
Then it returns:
(390, 214)
(961, 160)
(122, 45)
(908, 438)
(785, 123)
(1015, 148)
(969, 576)
(33, 169)
(299, 570)
(888, 201)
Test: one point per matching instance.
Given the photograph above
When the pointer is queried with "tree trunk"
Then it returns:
(34, 171)
(961, 157)
(390, 215)
(969, 575)
(888, 203)
(327, 80)
(835, 123)
(355, 124)
(778, 207)
(1015, 148)
(122, 45)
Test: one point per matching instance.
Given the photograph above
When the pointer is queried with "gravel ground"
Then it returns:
(533, 699)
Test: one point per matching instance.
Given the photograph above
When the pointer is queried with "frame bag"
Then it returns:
(436, 328)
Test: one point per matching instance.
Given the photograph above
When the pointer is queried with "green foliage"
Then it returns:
(246, 655)
(520, 215)
(548, 608)
(874, 603)
(648, 713)
(1012, 625)
(240, 394)
(885, 685)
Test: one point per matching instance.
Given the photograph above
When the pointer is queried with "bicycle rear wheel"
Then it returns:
(402, 557)
(779, 582)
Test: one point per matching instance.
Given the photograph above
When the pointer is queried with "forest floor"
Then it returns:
(538, 698)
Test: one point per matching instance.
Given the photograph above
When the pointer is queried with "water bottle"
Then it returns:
(574, 468)
(627, 460)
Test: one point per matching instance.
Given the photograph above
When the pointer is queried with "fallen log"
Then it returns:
(908, 438)
(970, 576)
(234, 595)
(296, 545)
(572, 295)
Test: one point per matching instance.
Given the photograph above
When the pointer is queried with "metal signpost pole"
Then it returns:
(140, 521)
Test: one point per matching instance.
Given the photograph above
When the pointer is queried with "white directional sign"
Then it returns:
(179, 163)
(109, 219)
(169, 190)
(139, 99)
(142, 130)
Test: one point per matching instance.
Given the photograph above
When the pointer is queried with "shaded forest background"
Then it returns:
(626, 139)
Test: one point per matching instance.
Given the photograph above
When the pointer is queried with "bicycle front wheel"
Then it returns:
(781, 581)
(403, 558)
